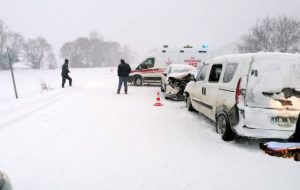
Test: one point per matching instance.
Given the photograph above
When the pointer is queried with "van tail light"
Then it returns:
(238, 91)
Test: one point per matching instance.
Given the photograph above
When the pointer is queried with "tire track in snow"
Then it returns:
(40, 106)
(44, 102)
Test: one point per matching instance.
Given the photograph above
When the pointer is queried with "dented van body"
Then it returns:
(174, 80)
(254, 95)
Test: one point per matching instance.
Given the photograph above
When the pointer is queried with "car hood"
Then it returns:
(181, 75)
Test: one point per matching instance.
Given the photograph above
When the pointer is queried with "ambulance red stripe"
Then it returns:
(144, 71)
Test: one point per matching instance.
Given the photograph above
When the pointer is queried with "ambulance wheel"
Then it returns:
(138, 81)
(188, 104)
(223, 127)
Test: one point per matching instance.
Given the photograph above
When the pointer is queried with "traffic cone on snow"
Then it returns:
(158, 100)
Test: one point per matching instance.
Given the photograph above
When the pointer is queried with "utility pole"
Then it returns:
(12, 72)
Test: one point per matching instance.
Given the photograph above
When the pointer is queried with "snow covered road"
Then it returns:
(89, 138)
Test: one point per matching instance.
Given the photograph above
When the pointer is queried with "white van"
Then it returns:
(151, 69)
(254, 95)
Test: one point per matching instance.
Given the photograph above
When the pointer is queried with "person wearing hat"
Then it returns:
(65, 73)
(123, 73)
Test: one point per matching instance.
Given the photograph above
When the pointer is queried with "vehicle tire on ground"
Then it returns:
(188, 104)
(133, 82)
(138, 81)
(297, 156)
(223, 127)
(163, 89)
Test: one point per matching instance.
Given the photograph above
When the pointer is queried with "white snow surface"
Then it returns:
(88, 138)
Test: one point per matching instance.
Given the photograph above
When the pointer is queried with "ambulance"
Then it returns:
(150, 71)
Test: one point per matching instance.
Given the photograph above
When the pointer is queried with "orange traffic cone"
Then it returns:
(158, 100)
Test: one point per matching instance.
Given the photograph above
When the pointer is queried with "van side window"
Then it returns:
(201, 75)
(148, 63)
(229, 72)
(215, 73)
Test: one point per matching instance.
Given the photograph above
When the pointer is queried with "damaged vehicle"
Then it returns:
(175, 79)
(254, 95)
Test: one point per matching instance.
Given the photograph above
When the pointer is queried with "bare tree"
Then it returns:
(272, 34)
(94, 35)
(93, 51)
(265, 34)
(52, 61)
(36, 52)
(14, 41)
(288, 34)
(3, 41)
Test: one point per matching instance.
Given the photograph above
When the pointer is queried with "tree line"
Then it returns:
(38, 53)
(34, 52)
(93, 51)
(281, 34)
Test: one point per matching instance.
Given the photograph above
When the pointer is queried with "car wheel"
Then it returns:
(133, 82)
(188, 104)
(162, 88)
(223, 127)
(138, 81)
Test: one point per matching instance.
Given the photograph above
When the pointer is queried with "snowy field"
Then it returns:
(89, 138)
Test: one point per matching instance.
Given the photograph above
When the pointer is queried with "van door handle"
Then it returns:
(203, 90)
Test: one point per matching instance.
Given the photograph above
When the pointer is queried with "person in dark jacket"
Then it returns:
(123, 73)
(65, 73)
(296, 136)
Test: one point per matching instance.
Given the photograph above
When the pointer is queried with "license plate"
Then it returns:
(283, 121)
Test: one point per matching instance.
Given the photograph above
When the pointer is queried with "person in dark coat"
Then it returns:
(65, 73)
(123, 73)
(296, 136)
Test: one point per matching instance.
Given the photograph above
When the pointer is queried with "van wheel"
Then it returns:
(138, 81)
(189, 105)
(297, 156)
(223, 127)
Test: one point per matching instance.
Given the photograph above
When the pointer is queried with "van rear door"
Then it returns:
(273, 92)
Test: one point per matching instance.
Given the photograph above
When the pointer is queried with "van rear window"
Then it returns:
(229, 72)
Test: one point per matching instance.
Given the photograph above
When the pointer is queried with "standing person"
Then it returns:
(123, 73)
(65, 73)
(296, 136)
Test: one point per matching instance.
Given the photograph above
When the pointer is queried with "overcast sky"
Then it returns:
(141, 24)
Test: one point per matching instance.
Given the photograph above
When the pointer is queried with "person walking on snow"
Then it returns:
(65, 73)
(123, 73)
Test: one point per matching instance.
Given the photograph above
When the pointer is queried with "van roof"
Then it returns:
(260, 55)
(180, 50)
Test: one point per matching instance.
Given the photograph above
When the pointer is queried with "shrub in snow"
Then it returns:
(45, 86)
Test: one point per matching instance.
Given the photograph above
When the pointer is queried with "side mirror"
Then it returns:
(164, 73)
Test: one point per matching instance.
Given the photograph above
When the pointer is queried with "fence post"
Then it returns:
(12, 72)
